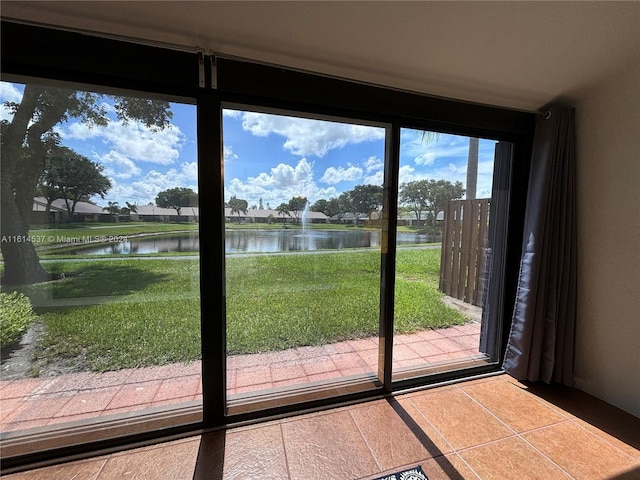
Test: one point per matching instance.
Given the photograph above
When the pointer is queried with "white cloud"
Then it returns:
(373, 163)
(334, 175)
(376, 178)
(426, 158)
(133, 140)
(118, 165)
(280, 184)
(306, 136)
(228, 154)
(145, 189)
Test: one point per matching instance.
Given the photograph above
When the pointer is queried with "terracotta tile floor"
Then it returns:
(38, 402)
(492, 428)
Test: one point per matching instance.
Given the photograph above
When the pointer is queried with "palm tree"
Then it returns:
(283, 209)
(472, 168)
(113, 208)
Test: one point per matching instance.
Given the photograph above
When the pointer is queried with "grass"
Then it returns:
(126, 313)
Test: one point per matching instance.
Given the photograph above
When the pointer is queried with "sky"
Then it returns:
(267, 157)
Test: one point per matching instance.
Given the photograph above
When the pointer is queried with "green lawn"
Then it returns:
(135, 313)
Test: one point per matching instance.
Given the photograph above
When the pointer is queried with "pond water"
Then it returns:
(255, 241)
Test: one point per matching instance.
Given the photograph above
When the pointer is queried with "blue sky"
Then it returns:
(266, 156)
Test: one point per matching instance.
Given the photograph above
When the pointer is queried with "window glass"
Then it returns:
(100, 271)
(442, 261)
(303, 202)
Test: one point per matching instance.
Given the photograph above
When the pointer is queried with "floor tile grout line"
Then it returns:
(284, 449)
(473, 470)
(421, 413)
(542, 453)
(364, 439)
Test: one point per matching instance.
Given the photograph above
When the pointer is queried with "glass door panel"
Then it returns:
(444, 199)
(303, 245)
(100, 266)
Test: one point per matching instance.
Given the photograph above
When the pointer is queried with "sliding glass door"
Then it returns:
(303, 200)
(443, 255)
(190, 240)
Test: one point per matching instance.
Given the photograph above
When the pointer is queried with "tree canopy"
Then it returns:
(25, 142)
(177, 198)
(238, 205)
(72, 177)
(297, 205)
(430, 196)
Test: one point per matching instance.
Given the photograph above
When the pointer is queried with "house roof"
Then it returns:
(152, 210)
(59, 205)
(264, 213)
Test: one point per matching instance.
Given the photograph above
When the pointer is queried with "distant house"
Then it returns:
(259, 215)
(58, 212)
(151, 213)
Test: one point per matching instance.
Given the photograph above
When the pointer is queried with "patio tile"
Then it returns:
(96, 401)
(468, 341)
(177, 388)
(42, 408)
(286, 371)
(253, 376)
(19, 388)
(447, 345)
(425, 348)
(430, 335)
(404, 352)
(134, 394)
(318, 365)
(364, 344)
(345, 361)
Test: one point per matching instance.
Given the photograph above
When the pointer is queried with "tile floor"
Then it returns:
(46, 401)
(492, 428)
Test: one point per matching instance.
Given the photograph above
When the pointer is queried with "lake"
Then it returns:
(255, 241)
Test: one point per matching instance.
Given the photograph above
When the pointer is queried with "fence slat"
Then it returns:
(464, 240)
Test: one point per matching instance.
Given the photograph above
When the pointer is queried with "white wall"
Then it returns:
(608, 183)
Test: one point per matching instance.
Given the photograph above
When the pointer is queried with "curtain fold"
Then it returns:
(541, 341)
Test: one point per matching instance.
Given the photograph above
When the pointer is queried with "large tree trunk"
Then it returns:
(22, 163)
(21, 262)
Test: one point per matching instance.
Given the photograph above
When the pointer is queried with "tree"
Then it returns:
(366, 198)
(429, 196)
(113, 208)
(297, 206)
(72, 177)
(472, 168)
(343, 205)
(440, 192)
(24, 146)
(177, 198)
(414, 196)
(283, 209)
(238, 205)
(321, 206)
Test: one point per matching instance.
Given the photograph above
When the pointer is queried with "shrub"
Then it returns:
(16, 314)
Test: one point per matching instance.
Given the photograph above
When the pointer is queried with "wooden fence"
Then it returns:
(464, 240)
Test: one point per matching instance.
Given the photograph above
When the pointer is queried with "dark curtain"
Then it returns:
(541, 341)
